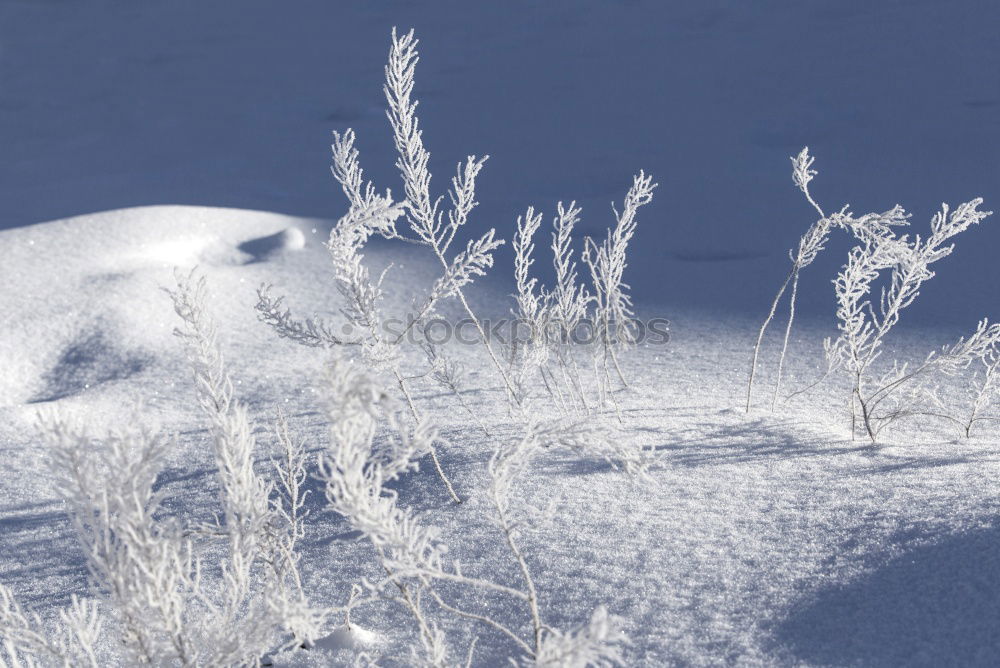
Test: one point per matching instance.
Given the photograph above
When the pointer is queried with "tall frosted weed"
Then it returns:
(894, 267)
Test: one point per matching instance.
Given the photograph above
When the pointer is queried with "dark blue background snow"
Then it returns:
(112, 104)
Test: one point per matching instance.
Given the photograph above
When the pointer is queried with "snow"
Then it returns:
(763, 538)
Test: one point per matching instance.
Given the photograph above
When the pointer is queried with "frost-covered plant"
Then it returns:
(144, 563)
(158, 608)
(357, 468)
(302, 619)
(144, 567)
(423, 212)
(262, 524)
(613, 316)
(244, 494)
(591, 439)
(547, 320)
(371, 213)
(528, 350)
(596, 644)
(568, 299)
(551, 317)
(362, 295)
(904, 390)
(432, 225)
(866, 228)
(883, 399)
(27, 642)
(418, 574)
(811, 243)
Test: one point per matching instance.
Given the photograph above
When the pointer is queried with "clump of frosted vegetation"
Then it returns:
(156, 606)
(904, 390)
(552, 318)
(894, 266)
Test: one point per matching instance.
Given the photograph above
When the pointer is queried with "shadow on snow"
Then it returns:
(934, 605)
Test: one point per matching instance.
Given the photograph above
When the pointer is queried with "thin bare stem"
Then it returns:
(760, 336)
(788, 331)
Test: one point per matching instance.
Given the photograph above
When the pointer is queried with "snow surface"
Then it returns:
(766, 539)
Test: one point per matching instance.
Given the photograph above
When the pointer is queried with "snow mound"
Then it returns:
(81, 296)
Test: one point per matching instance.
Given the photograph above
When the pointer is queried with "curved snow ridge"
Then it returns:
(161, 234)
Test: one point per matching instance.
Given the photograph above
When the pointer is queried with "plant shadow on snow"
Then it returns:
(725, 438)
(892, 463)
(694, 436)
(708, 444)
(703, 436)
(937, 604)
(38, 544)
(88, 361)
